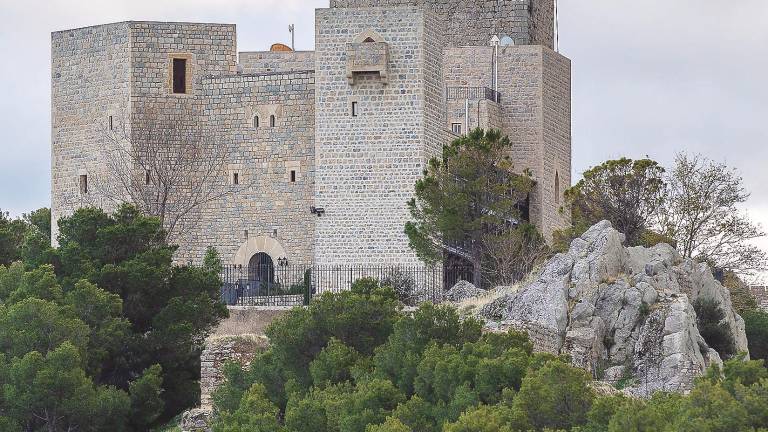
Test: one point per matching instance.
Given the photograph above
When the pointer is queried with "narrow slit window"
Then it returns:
(235, 179)
(256, 121)
(147, 177)
(456, 128)
(111, 124)
(557, 187)
(83, 184)
(272, 121)
(179, 75)
(293, 176)
(354, 109)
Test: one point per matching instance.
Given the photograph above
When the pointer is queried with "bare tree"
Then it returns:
(168, 166)
(702, 214)
(511, 256)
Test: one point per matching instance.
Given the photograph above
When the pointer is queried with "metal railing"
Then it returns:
(296, 284)
(472, 93)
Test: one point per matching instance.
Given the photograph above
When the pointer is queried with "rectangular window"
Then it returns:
(111, 127)
(179, 75)
(147, 177)
(84, 184)
(456, 128)
(354, 109)
(235, 178)
(293, 176)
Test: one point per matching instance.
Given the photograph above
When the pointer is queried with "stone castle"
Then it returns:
(325, 146)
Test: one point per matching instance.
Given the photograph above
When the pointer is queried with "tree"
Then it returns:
(466, 199)
(756, 326)
(627, 193)
(715, 331)
(168, 310)
(512, 255)
(12, 232)
(702, 215)
(169, 168)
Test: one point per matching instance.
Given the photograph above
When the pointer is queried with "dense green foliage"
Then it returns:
(469, 196)
(103, 333)
(22, 234)
(354, 362)
(715, 331)
(756, 326)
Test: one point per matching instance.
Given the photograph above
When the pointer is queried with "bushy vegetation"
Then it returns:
(103, 333)
(354, 361)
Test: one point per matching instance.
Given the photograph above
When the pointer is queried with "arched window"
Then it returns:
(272, 121)
(255, 121)
(557, 188)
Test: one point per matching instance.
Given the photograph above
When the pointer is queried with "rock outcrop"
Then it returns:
(462, 291)
(624, 314)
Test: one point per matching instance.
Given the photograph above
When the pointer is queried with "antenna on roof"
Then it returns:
(292, 30)
(557, 28)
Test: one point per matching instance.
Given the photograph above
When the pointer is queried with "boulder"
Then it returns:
(195, 420)
(624, 314)
(463, 290)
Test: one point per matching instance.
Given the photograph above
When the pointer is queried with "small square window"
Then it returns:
(354, 109)
(456, 128)
(293, 176)
(83, 184)
(179, 75)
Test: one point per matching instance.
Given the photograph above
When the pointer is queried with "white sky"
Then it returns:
(651, 77)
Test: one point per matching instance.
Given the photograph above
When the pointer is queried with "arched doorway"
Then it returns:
(261, 271)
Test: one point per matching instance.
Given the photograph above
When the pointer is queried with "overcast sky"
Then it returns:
(651, 77)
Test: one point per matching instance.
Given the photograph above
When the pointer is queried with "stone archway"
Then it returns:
(256, 245)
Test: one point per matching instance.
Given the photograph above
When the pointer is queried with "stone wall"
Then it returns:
(90, 82)
(367, 164)
(761, 296)
(473, 22)
(276, 61)
(266, 202)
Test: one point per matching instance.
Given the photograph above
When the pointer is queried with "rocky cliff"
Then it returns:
(624, 314)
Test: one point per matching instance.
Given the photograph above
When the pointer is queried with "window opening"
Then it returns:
(293, 176)
(272, 121)
(84, 184)
(354, 109)
(456, 128)
(179, 76)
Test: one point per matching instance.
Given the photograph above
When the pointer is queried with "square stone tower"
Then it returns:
(379, 118)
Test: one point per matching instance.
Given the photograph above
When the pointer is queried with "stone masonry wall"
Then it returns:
(90, 82)
(557, 140)
(473, 22)
(276, 61)
(265, 202)
(367, 165)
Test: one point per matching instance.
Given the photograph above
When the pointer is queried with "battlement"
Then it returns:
(474, 22)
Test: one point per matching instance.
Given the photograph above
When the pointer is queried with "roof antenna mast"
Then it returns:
(292, 30)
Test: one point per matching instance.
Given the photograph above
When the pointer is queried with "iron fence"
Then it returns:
(296, 284)
(472, 93)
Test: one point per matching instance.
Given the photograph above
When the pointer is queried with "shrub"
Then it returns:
(713, 329)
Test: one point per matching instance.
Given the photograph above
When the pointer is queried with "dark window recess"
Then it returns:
(256, 121)
(147, 178)
(456, 128)
(368, 40)
(236, 178)
(271, 121)
(179, 75)
(111, 125)
(293, 176)
(84, 184)
(354, 109)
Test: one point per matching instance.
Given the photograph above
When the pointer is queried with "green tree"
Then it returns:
(166, 311)
(628, 193)
(256, 413)
(12, 233)
(333, 364)
(467, 197)
(482, 419)
(710, 319)
(756, 326)
(53, 392)
(390, 425)
(555, 396)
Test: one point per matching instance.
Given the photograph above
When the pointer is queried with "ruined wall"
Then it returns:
(367, 164)
(265, 202)
(90, 82)
(473, 22)
(276, 61)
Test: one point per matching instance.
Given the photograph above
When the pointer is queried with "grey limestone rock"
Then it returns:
(463, 290)
(624, 314)
(196, 420)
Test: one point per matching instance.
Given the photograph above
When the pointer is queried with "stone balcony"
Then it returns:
(367, 58)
